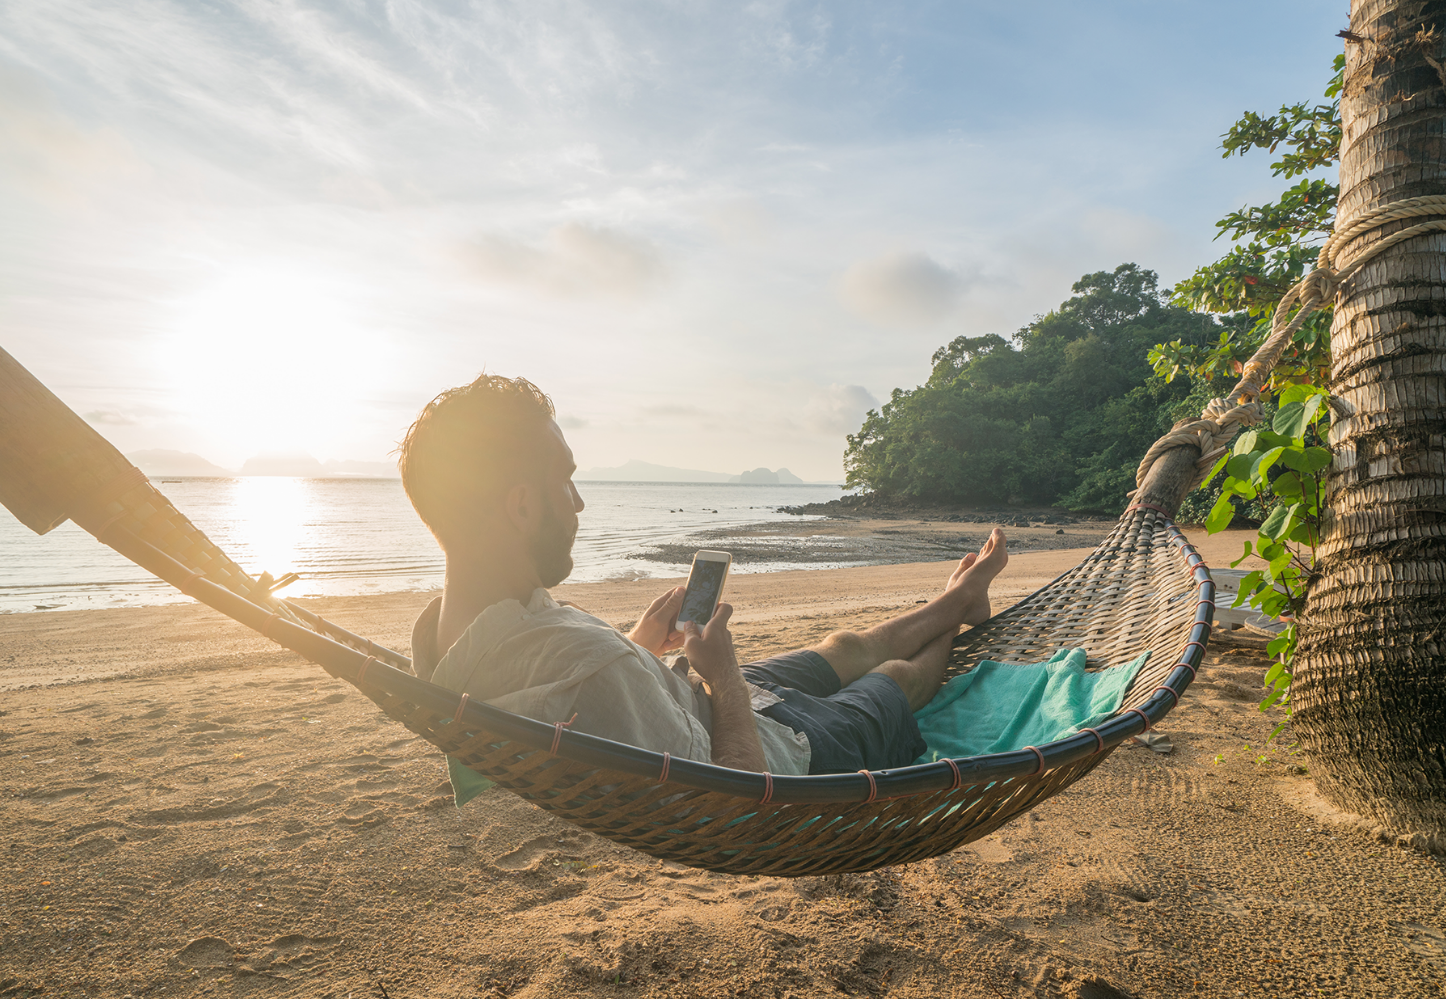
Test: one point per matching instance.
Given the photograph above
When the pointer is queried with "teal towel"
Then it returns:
(466, 782)
(999, 707)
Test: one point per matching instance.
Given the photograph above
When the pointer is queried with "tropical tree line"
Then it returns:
(1059, 416)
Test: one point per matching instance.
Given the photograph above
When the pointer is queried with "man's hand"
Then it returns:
(710, 648)
(655, 631)
(735, 731)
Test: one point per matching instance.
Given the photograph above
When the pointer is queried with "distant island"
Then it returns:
(644, 471)
(158, 463)
(765, 477)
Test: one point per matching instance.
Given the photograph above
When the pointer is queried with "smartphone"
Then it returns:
(705, 587)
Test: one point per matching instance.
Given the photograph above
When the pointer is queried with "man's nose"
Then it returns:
(577, 503)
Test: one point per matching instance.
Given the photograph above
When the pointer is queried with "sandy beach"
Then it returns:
(189, 810)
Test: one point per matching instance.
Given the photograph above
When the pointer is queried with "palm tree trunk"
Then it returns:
(1370, 680)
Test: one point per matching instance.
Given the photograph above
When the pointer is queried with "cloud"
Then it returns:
(577, 261)
(110, 417)
(571, 422)
(672, 411)
(902, 288)
(50, 153)
(838, 409)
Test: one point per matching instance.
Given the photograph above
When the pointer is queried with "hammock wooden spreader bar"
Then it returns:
(1143, 588)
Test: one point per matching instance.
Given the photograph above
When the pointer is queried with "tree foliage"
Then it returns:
(1063, 417)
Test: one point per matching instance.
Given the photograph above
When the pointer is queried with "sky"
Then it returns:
(715, 233)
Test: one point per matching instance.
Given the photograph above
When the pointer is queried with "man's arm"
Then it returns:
(735, 732)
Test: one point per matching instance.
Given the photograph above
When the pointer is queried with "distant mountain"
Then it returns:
(158, 463)
(766, 477)
(642, 471)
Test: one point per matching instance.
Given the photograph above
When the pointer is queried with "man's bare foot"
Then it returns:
(973, 576)
(958, 574)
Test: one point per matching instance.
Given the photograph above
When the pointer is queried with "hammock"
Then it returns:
(1144, 587)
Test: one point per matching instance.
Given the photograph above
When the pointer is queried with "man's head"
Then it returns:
(487, 469)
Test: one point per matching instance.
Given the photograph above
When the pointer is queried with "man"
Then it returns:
(488, 469)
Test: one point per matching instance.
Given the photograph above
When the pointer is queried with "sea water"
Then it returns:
(352, 536)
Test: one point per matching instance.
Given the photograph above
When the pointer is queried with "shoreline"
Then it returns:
(766, 546)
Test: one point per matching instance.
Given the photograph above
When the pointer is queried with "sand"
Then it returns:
(188, 811)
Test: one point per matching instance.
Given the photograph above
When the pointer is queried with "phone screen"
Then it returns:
(705, 586)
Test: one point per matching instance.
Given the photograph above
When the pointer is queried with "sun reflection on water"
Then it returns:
(272, 526)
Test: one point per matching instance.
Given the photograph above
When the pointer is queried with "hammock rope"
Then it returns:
(1223, 417)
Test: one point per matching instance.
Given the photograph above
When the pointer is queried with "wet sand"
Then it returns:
(190, 811)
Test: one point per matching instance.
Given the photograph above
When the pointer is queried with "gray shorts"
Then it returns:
(864, 726)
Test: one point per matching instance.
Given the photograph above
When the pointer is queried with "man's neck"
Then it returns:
(473, 585)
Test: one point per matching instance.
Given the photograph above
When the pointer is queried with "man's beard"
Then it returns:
(552, 549)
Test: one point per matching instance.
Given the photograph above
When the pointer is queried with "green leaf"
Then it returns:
(1314, 407)
(1290, 420)
(1303, 534)
(1214, 471)
(1245, 443)
(1270, 699)
(1271, 439)
(1269, 550)
(1279, 565)
(1287, 486)
(1275, 523)
(1252, 582)
(1239, 487)
(1272, 603)
(1296, 393)
(1239, 466)
(1273, 672)
(1221, 514)
(1261, 469)
(1276, 731)
(1317, 458)
(1294, 457)
(1243, 556)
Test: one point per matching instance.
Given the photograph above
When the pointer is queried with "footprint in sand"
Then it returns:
(533, 853)
(363, 814)
(206, 952)
(1427, 941)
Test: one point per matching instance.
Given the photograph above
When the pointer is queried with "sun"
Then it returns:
(271, 358)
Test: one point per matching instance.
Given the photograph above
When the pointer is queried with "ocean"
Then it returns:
(353, 536)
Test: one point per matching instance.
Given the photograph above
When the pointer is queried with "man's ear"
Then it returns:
(521, 506)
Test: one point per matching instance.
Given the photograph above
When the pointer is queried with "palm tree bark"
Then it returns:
(1370, 681)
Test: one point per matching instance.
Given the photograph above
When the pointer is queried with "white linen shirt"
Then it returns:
(548, 661)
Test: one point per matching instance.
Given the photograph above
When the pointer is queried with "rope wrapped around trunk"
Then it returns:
(1223, 417)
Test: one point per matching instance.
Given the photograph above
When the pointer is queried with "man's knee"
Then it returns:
(919, 683)
(899, 669)
(844, 644)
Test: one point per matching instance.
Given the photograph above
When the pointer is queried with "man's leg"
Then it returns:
(965, 600)
(921, 677)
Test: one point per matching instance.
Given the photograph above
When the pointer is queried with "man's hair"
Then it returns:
(469, 445)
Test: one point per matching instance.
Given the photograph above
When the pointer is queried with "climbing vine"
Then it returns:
(1282, 468)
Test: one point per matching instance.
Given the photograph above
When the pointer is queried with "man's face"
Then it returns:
(552, 544)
